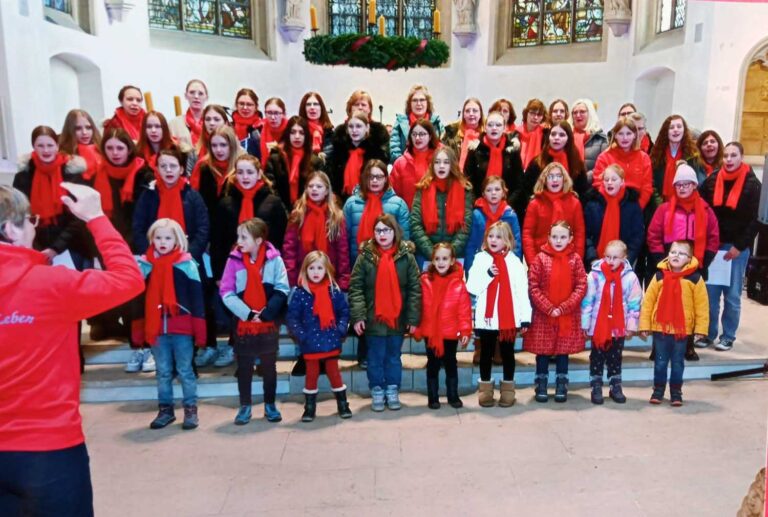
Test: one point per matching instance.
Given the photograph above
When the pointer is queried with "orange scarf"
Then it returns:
(454, 210)
(670, 312)
(244, 124)
(469, 135)
(171, 204)
(373, 209)
(501, 287)
(739, 176)
(610, 317)
(46, 192)
(131, 123)
(530, 143)
(161, 293)
(560, 285)
(255, 296)
(246, 207)
(496, 161)
(698, 206)
(611, 219)
(314, 234)
(387, 300)
(352, 169)
(322, 307)
(269, 135)
(294, 171)
(491, 216)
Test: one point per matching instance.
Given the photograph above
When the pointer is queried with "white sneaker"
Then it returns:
(724, 345)
(134, 363)
(149, 361)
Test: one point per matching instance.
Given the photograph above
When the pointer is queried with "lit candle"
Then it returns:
(371, 12)
(382, 30)
(177, 104)
(436, 21)
(313, 17)
(148, 102)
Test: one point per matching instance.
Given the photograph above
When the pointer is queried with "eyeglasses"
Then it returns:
(383, 231)
(686, 185)
(377, 177)
(246, 104)
(419, 101)
(679, 254)
(33, 219)
(274, 113)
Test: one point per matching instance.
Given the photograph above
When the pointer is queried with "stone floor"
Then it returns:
(559, 459)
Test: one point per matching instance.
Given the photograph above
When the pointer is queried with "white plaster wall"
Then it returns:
(707, 73)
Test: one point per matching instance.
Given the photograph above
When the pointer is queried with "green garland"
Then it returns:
(375, 52)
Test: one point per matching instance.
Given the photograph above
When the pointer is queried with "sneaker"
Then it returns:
(271, 413)
(702, 343)
(148, 365)
(658, 395)
(724, 345)
(205, 357)
(393, 397)
(134, 363)
(377, 399)
(225, 358)
(676, 397)
(243, 415)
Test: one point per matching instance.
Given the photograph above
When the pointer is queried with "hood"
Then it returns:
(692, 266)
(17, 262)
(75, 164)
(627, 266)
(272, 252)
(457, 273)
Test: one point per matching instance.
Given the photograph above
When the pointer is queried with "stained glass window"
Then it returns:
(65, 6)
(401, 17)
(230, 18)
(556, 22)
(671, 15)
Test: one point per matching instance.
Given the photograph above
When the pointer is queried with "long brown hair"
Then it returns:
(122, 135)
(286, 149)
(335, 215)
(325, 120)
(425, 124)
(205, 138)
(144, 147)
(575, 163)
(228, 134)
(624, 122)
(454, 175)
(364, 176)
(720, 147)
(68, 138)
(480, 123)
(659, 151)
(496, 106)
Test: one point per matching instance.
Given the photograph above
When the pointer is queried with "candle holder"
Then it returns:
(436, 34)
(314, 32)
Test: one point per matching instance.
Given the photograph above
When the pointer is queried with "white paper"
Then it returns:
(64, 259)
(720, 270)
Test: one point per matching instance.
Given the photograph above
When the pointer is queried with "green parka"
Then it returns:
(424, 241)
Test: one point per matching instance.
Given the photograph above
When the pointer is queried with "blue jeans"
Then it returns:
(384, 365)
(669, 349)
(178, 349)
(732, 295)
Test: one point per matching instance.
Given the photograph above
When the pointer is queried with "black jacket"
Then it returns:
(631, 229)
(376, 147)
(476, 166)
(278, 171)
(737, 227)
(208, 189)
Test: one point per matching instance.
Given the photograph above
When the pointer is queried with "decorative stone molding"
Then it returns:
(292, 23)
(117, 9)
(466, 28)
(618, 16)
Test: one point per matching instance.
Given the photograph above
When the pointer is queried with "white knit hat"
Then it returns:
(685, 173)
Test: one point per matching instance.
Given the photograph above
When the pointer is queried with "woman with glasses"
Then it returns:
(418, 106)
(414, 163)
(589, 138)
(246, 118)
(275, 122)
(532, 130)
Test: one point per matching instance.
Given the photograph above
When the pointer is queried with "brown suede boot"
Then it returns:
(485, 393)
(507, 397)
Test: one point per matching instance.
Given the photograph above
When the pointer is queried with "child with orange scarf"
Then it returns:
(385, 302)
(557, 284)
(675, 307)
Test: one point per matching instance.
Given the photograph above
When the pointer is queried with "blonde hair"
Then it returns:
(68, 139)
(419, 88)
(178, 233)
(335, 214)
(541, 181)
(593, 123)
(615, 167)
(314, 256)
(253, 161)
(506, 235)
(562, 224)
(356, 96)
(624, 122)
(228, 134)
(618, 243)
(437, 247)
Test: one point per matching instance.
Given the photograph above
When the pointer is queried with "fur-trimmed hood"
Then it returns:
(75, 164)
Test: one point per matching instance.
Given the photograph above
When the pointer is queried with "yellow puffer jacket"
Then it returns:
(695, 301)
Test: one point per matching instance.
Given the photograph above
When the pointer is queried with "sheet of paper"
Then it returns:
(720, 270)
(64, 259)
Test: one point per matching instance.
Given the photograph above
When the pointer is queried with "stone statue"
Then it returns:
(293, 13)
(618, 16)
(619, 8)
(465, 10)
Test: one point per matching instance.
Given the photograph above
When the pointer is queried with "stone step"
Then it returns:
(109, 383)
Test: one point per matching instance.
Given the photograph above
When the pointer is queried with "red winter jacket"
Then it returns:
(538, 221)
(40, 306)
(404, 177)
(455, 307)
(637, 170)
(293, 254)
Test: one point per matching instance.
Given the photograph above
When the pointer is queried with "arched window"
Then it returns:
(671, 15)
(556, 22)
(401, 17)
(228, 18)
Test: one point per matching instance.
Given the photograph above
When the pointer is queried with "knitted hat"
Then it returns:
(685, 173)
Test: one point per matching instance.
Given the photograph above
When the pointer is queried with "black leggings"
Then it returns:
(611, 358)
(488, 340)
(245, 376)
(448, 360)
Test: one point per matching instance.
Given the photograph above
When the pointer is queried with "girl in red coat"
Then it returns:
(80, 136)
(129, 115)
(552, 201)
(414, 163)
(446, 321)
(557, 283)
(624, 150)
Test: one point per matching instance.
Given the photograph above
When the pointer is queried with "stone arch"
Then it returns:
(654, 91)
(75, 82)
(751, 124)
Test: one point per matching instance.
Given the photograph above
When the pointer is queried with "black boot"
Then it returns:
(433, 400)
(300, 368)
(616, 393)
(164, 417)
(452, 392)
(541, 387)
(191, 420)
(690, 351)
(676, 395)
(342, 405)
(597, 390)
(310, 406)
(561, 388)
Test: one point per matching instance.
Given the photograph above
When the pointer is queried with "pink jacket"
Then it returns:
(682, 229)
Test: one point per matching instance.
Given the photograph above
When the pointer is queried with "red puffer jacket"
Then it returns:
(542, 336)
(455, 310)
(538, 220)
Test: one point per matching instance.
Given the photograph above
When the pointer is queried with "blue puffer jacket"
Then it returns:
(399, 137)
(304, 325)
(353, 212)
(477, 231)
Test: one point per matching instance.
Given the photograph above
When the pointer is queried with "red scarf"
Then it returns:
(670, 168)
(171, 205)
(131, 123)
(160, 297)
(501, 286)
(454, 211)
(645, 144)
(670, 312)
(555, 199)
(246, 206)
(496, 161)
(610, 317)
(708, 169)
(294, 172)
(531, 143)
(150, 158)
(580, 138)
(269, 135)
(254, 295)
(243, 124)
(469, 135)
(440, 285)
(560, 157)
(739, 176)
(412, 119)
(511, 128)
(92, 157)
(195, 126)
(322, 307)
(314, 234)
(698, 206)
(491, 216)
(352, 169)
(373, 209)
(421, 161)
(126, 174)
(387, 299)
(45, 196)
(611, 220)
(560, 285)
(219, 169)
(317, 131)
